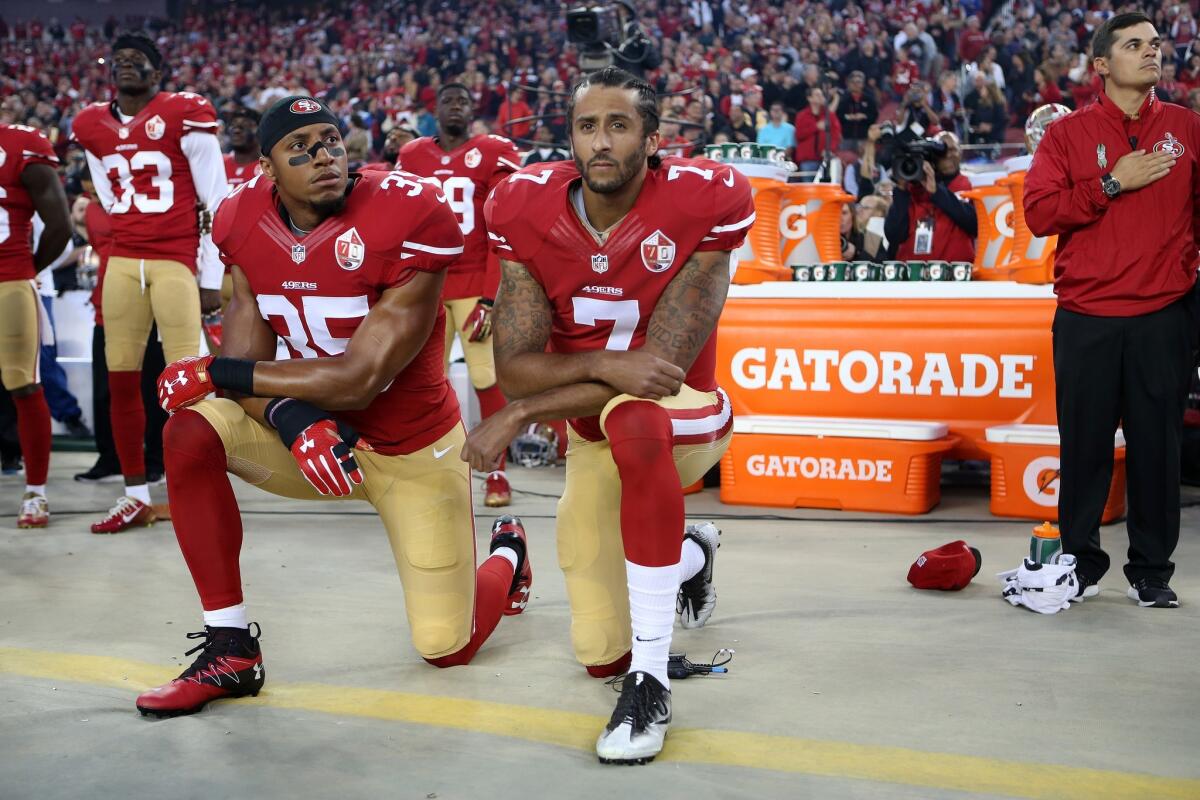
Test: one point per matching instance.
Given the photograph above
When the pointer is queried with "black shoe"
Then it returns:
(229, 665)
(100, 473)
(635, 733)
(11, 466)
(1088, 587)
(154, 478)
(1153, 593)
(76, 429)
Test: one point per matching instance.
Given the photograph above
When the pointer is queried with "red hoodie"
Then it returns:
(1133, 254)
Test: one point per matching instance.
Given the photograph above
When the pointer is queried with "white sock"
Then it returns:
(652, 592)
(139, 492)
(508, 554)
(36, 489)
(231, 617)
(691, 560)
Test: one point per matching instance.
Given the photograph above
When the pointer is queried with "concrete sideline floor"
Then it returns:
(847, 682)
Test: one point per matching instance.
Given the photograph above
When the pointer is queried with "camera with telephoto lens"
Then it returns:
(908, 163)
(604, 39)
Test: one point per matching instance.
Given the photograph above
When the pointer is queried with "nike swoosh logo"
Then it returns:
(439, 453)
(729, 179)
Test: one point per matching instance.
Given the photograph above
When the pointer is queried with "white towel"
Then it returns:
(1044, 588)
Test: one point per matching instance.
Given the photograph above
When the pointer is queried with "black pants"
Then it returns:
(1131, 372)
(152, 364)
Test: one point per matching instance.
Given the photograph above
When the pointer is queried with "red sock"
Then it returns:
(129, 420)
(651, 501)
(203, 508)
(33, 431)
(492, 400)
(492, 582)
(618, 667)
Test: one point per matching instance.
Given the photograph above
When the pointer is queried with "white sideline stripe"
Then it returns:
(737, 226)
(437, 251)
(709, 424)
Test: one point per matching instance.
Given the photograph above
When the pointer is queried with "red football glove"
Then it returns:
(479, 323)
(185, 382)
(326, 460)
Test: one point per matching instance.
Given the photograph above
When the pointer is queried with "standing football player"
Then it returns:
(620, 261)
(28, 184)
(241, 162)
(467, 167)
(154, 157)
(348, 270)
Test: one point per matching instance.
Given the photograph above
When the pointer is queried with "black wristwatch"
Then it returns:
(1110, 185)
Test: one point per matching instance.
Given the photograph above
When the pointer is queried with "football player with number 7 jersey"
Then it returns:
(347, 270)
(29, 184)
(153, 156)
(467, 167)
(620, 261)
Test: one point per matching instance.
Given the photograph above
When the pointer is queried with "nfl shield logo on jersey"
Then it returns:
(156, 127)
(472, 158)
(298, 253)
(658, 252)
(599, 262)
(349, 250)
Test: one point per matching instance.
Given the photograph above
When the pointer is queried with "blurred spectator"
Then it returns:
(905, 72)
(778, 131)
(857, 111)
(514, 107)
(973, 40)
(986, 111)
(945, 103)
(545, 149)
(1170, 89)
(817, 131)
(358, 141)
(1194, 100)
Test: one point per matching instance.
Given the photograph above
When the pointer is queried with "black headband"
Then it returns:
(288, 114)
(141, 44)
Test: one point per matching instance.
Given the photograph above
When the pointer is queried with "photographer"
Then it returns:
(927, 220)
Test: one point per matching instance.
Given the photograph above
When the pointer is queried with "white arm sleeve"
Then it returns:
(100, 180)
(203, 153)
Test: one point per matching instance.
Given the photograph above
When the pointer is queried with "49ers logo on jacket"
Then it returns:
(1169, 145)
(156, 127)
(658, 252)
(349, 249)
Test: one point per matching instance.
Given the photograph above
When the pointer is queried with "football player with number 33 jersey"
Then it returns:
(620, 261)
(153, 156)
(347, 270)
(467, 168)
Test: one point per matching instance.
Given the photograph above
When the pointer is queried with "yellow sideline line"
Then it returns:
(578, 731)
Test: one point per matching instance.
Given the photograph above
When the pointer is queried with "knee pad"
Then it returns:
(187, 433)
(438, 643)
(599, 642)
(638, 419)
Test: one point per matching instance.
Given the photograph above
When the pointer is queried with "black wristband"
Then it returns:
(290, 417)
(234, 374)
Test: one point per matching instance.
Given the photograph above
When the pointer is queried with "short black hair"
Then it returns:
(242, 112)
(445, 87)
(647, 98)
(1106, 34)
(136, 40)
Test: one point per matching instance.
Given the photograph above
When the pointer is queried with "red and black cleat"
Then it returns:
(507, 531)
(229, 665)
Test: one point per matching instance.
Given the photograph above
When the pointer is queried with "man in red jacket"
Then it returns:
(817, 130)
(1118, 182)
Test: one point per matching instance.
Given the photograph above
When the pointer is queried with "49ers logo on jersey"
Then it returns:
(349, 249)
(473, 158)
(156, 127)
(658, 252)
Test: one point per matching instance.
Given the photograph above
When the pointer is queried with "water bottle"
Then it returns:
(1045, 544)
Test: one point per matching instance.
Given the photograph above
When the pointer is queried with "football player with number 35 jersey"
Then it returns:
(153, 156)
(620, 261)
(347, 270)
(28, 183)
(467, 168)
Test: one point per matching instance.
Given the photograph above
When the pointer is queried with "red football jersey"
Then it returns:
(315, 291)
(237, 174)
(20, 146)
(154, 199)
(603, 295)
(466, 175)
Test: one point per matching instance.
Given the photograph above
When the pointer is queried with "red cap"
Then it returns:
(949, 567)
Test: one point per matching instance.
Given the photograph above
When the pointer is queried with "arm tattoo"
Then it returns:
(522, 317)
(687, 311)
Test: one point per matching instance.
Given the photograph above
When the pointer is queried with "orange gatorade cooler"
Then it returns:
(1025, 472)
(758, 257)
(1032, 256)
(994, 244)
(891, 466)
(809, 223)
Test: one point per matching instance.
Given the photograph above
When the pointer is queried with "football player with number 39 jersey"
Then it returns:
(620, 262)
(153, 157)
(467, 168)
(28, 183)
(347, 270)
